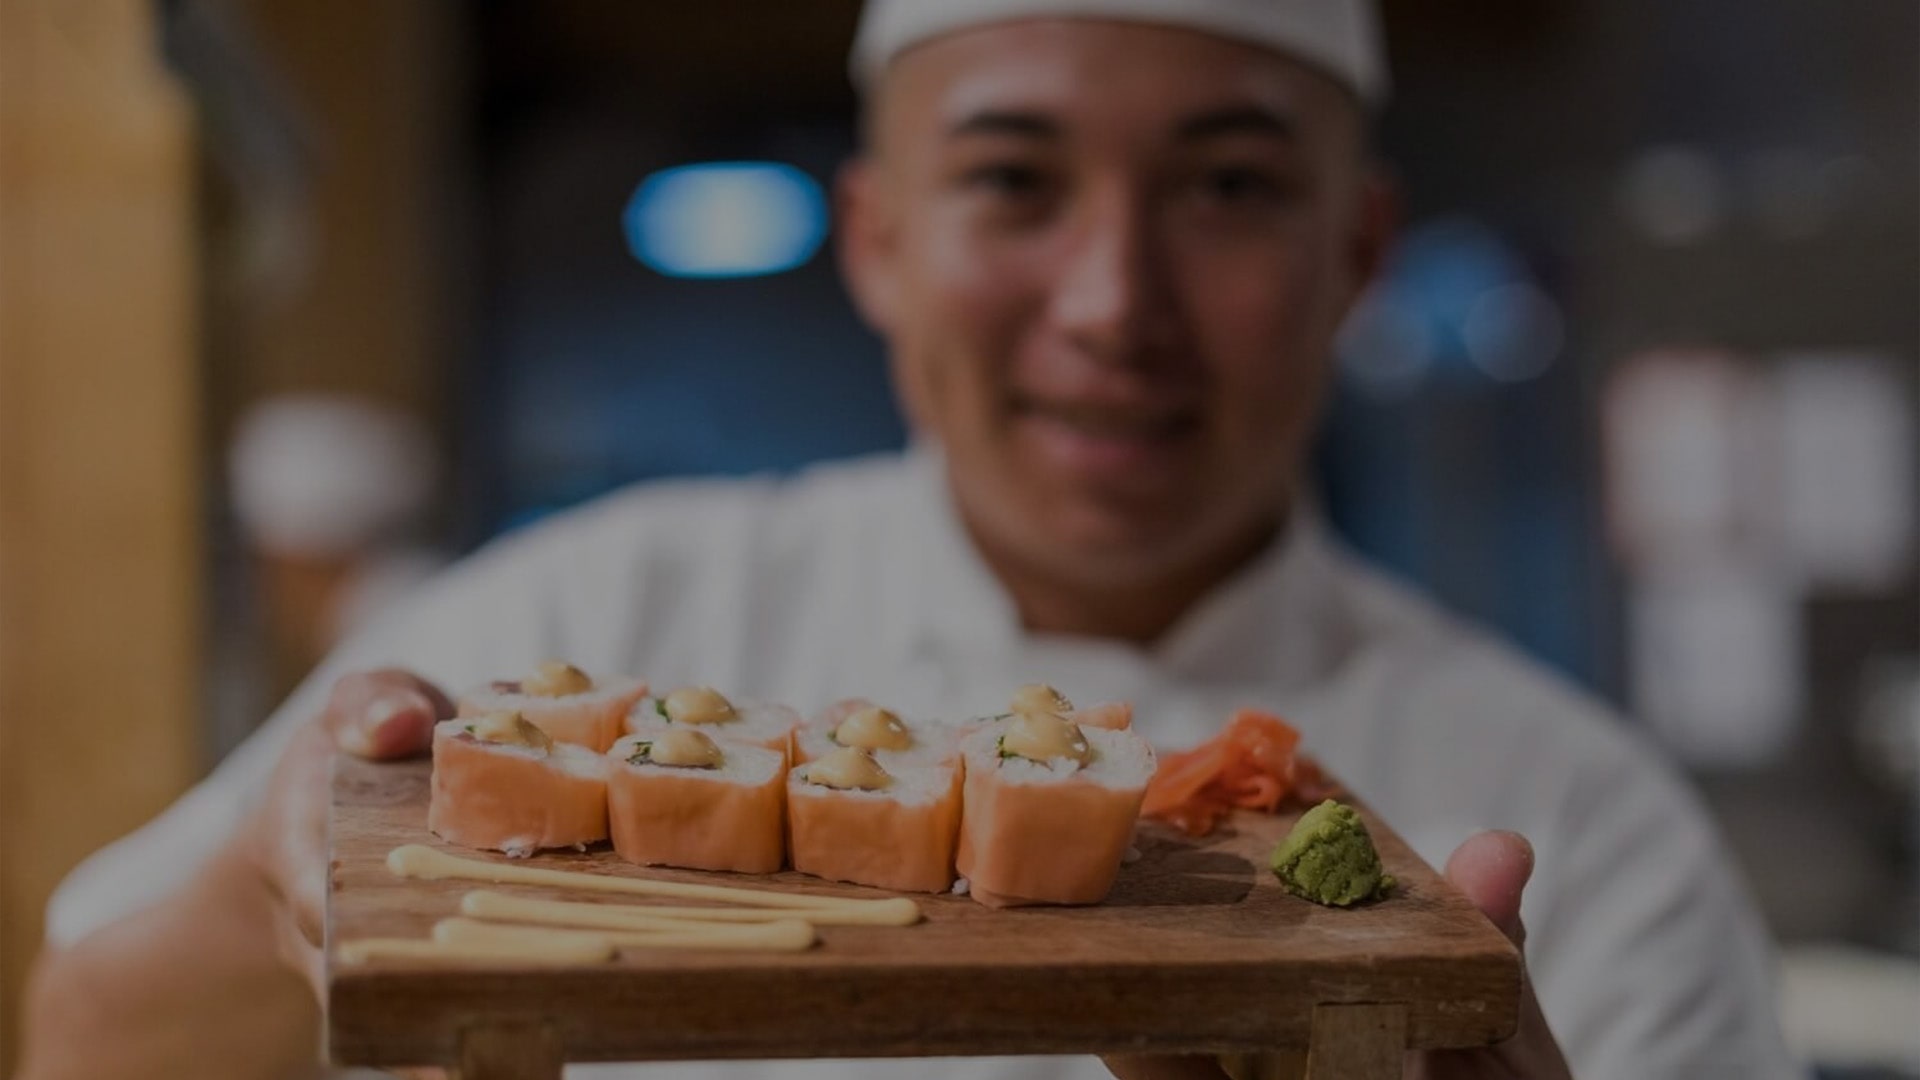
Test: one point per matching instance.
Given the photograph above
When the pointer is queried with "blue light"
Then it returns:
(726, 219)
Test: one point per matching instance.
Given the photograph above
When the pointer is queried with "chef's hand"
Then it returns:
(377, 715)
(1492, 869)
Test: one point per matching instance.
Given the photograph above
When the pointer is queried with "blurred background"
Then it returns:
(299, 301)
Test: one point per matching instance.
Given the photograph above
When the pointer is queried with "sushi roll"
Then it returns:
(855, 819)
(1049, 809)
(859, 723)
(678, 797)
(501, 783)
(563, 701)
(751, 722)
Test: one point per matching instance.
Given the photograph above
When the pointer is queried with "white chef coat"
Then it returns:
(856, 579)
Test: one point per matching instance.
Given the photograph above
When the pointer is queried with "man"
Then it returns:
(1108, 243)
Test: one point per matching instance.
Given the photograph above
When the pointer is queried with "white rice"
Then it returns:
(1121, 760)
(916, 785)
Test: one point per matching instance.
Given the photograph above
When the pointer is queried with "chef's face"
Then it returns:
(1109, 261)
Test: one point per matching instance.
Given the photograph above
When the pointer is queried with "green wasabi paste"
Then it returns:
(1328, 858)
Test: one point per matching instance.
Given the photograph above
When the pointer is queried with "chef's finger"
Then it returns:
(1492, 869)
(386, 714)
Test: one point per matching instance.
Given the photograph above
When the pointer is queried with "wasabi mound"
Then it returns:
(1328, 858)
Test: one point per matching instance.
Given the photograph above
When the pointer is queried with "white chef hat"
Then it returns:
(1339, 37)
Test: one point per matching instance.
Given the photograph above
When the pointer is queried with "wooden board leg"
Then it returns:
(1357, 1042)
(510, 1052)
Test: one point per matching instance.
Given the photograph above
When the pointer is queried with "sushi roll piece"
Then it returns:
(563, 701)
(754, 723)
(501, 783)
(894, 741)
(679, 797)
(1049, 809)
(854, 819)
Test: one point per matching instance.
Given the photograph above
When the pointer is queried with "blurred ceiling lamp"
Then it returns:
(726, 219)
(1673, 194)
(1514, 332)
(1384, 346)
(1457, 297)
(1790, 192)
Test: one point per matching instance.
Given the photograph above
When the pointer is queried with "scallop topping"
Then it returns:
(696, 705)
(850, 768)
(873, 728)
(681, 748)
(1039, 698)
(556, 678)
(508, 728)
(1045, 738)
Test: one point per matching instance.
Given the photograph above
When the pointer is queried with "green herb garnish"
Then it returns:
(660, 707)
(642, 754)
(1000, 744)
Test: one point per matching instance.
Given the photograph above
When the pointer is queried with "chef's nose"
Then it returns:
(1111, 298)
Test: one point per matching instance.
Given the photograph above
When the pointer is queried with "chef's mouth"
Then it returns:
(1144, 424)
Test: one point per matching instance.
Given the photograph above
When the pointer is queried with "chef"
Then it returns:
(1108, 244)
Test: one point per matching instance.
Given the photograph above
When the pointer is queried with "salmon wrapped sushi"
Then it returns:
(894, 741)
(851, 818)
(755, 723)
(1049, 809)
(500, 783)
(679, 797)
(563, 701)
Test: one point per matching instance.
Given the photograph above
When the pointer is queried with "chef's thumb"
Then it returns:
(386, 714)
(1492, 869)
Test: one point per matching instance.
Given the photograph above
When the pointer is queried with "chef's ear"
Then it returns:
(1376, 224)
(868, 241)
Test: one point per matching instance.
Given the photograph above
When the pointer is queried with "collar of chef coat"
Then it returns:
(1276, 622)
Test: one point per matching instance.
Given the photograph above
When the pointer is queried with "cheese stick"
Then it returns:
(484, 904)
(790, 935)
(428, 864)
(580, 951)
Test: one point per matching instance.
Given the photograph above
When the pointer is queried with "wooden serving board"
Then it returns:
(1197, 950)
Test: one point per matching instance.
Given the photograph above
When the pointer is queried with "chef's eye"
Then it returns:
(1010, 180)
(1240, 184)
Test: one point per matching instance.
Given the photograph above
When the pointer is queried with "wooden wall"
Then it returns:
(365, 302)
(99, 503)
